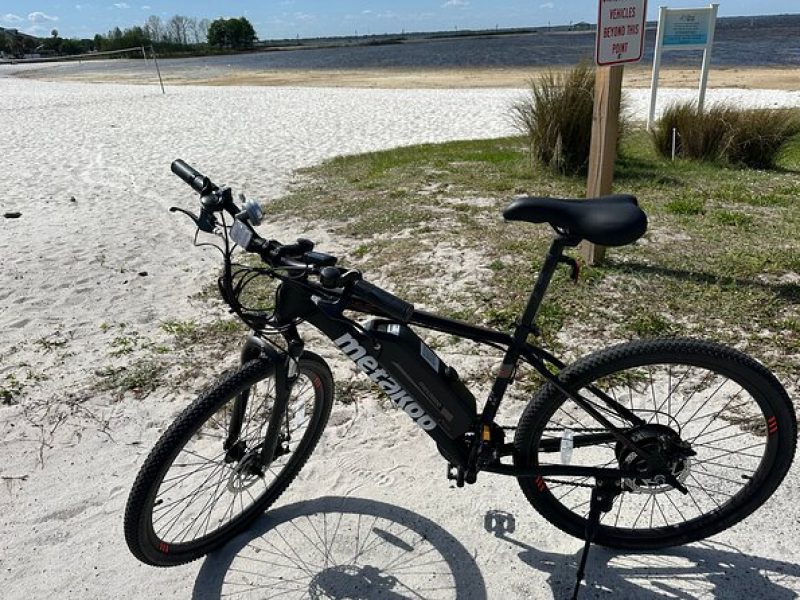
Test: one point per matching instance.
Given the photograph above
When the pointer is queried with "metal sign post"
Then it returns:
(620, 39)
(683, 29)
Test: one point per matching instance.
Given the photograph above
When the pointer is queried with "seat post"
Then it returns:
(540, 287)
(525, 324)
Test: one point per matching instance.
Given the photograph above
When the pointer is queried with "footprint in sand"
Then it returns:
(355, 466)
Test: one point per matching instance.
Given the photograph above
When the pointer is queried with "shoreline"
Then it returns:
(637, 77)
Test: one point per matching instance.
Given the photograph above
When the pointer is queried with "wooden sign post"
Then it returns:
(603, 149)
(620, 39)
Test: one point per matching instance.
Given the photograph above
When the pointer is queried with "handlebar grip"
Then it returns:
(389, 304)
(198, 182)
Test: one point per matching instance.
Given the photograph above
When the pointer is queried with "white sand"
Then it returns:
(69, 267)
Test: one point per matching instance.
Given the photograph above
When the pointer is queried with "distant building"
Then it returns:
(17, 33)
(583, 26)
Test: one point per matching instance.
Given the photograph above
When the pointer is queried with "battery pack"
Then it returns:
(418, 369)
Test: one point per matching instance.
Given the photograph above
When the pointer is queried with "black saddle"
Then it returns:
(608, 221)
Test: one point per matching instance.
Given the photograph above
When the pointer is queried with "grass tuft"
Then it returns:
(556, 117)
(756, 138)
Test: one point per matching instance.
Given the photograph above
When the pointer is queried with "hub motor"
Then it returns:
(659, 440)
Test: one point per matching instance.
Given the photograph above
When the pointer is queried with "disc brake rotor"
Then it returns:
(660, 440)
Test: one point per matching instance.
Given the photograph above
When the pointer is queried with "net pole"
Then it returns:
(158, 70)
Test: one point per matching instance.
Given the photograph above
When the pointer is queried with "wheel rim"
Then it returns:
(723, 421)
(201, 495)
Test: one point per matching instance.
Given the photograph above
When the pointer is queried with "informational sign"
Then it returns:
(683, 29)
(620, 31)
(686, 27)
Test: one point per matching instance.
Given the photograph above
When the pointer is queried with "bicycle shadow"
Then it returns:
(789, 292)
(704, 569)
(341, 547)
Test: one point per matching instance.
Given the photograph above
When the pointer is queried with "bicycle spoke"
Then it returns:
(709, 411)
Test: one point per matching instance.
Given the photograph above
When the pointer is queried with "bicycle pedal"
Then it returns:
(455, 473)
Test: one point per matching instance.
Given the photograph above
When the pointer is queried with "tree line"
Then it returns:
(180, 34)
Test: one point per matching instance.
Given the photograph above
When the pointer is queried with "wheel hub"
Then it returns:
(661, 441)
(247, 471)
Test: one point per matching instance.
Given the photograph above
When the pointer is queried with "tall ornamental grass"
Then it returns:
(743, 137)
(761, 136)
(557, 118)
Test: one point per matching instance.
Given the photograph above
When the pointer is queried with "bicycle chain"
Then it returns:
(581, 429)
(572, 483)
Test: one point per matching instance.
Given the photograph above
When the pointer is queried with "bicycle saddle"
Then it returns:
(608, 220)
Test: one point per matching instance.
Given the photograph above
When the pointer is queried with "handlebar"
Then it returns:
(196, 180)
(277, 254)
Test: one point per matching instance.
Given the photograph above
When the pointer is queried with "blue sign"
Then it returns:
(686, 27)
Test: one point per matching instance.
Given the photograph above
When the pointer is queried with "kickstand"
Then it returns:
(603, 494)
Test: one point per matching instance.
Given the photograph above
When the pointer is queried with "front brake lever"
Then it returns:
(205, 222)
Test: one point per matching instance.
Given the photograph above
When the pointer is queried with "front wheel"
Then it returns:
(731, 413)
(197, 488)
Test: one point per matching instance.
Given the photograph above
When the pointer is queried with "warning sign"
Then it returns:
(620, 31)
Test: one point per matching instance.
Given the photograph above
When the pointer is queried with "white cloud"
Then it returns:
(386, 14)
(40, 17)
(122, 5)
(547, 5)
(146, 7)
(301, 16)
(455, 3)
(9, 18)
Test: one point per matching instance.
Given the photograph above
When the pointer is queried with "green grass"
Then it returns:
(756, 138)
(140, 378)
(556, 118)
(720, 259)
(10, 389)
(686, 205)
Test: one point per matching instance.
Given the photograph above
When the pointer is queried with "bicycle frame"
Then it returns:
(295, 301)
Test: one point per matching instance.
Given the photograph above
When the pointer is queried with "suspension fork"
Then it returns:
(286, 372)
(255, 348)
(285, 376)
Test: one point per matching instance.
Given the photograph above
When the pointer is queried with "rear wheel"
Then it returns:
(193, 494)
(731, 413)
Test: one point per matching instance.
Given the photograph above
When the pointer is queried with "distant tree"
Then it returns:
(154, 28)
(52, 44)
(217, 33)
(177, 28)
(70, 46)
(202, 30)
(231, 33)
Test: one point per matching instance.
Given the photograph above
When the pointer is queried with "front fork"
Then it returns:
(284, 364)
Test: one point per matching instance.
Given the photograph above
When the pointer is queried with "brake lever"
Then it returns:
(205, 222)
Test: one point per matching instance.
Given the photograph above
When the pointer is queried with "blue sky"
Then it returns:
(307, 18)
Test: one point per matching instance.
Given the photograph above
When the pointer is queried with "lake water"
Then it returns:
(774, 44)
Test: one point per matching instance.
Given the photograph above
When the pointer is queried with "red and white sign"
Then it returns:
(620, 31)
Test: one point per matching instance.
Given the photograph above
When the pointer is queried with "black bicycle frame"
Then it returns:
(295, 300)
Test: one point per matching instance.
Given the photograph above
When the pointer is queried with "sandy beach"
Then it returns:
(636, 76)
(96, 257)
